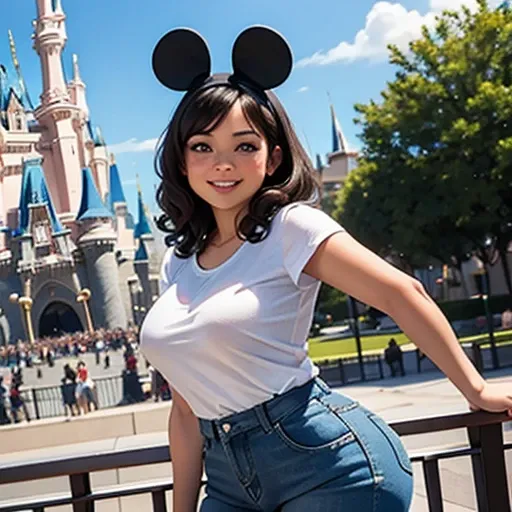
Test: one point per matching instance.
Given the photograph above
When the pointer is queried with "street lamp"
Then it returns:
(83, 296)
(25, 304)
(488, 314)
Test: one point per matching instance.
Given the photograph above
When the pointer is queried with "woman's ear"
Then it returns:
(275, 160)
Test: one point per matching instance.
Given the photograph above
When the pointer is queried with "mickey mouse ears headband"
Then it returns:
(261, 57)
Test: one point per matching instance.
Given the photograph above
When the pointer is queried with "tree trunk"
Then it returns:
(506, 268)
(463, 282)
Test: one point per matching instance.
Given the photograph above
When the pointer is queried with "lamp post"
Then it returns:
(352, 306)
(25, 304)
(488, 314)
(83, 296)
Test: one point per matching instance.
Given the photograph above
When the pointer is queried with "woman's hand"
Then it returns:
(494, 397)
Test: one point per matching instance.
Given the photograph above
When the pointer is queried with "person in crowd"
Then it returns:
(106, 359)
(506, 319)
(17, 403)
(68, 389)
(85, 389)
(394, 358)
(4, 417)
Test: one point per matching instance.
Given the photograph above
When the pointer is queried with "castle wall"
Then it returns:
(125, 269)
(103, 280)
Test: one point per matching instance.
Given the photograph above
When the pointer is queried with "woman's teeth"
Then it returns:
(224, 183)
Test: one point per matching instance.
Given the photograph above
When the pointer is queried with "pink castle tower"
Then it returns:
(59, 144)
(67, 244)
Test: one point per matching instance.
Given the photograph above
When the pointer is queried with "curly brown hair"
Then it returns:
(186, 216)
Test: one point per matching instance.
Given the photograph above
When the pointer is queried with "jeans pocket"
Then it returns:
(313, 427)
(395, 442)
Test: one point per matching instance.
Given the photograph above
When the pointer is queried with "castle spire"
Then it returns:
(25, 98)
(49, 41)
(319, 164)
(44, 8)
(339, 143)
(57, 7)
(116, 192)
(142, 227)
(91, 205)
(76, 69)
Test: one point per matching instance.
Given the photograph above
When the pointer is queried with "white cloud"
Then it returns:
(129, 183)
(133, 146)
(303, 89)
(386, 23)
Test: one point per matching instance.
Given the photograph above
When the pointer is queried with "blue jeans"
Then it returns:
(307, 450)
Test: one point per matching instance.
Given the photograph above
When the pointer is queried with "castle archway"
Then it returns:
(59, 318)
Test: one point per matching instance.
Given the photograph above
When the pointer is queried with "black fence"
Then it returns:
(485, 448)
(47, 401)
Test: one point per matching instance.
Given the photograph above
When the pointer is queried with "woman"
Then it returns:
(238, 290)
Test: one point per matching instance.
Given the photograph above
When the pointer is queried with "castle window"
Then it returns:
(41, 234)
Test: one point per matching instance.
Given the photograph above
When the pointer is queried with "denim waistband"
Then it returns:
(266, 414)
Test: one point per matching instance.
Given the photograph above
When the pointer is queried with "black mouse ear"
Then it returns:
(180, 58)
(262, 55)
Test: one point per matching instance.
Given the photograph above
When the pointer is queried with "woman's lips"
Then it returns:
(224, 189)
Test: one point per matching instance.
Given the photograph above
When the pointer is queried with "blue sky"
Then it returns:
(338, 45)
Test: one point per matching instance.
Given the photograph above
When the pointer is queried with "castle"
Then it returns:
(71, 256)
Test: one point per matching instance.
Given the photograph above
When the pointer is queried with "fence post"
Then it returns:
(36, 405)
(489, 470)
(477, 357)
(381, 371)
(80, 487)
(342, 371)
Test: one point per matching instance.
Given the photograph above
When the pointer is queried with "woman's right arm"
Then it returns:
(186, 443)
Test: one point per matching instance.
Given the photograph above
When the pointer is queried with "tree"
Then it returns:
(435, 176)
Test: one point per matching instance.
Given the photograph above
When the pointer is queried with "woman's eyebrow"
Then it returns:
(246, 132)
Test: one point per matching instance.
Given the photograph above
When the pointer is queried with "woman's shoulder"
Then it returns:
(171, 265)
(301, 214)
(292, 210)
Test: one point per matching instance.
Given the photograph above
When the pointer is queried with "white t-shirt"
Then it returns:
(230, 338)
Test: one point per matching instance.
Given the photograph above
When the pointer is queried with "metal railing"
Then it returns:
(485, 448)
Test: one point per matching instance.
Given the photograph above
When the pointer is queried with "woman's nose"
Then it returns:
(223, 162)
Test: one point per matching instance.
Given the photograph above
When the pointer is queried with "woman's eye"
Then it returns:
(247, 147)
(200, 147)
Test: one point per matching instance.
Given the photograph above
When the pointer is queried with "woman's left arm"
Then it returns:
(344, 263)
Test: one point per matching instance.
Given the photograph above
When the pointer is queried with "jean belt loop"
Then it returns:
(216, 435)
(322, 385)
(263, 417)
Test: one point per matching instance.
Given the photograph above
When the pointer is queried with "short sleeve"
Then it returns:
(303, 230)
(165, 271)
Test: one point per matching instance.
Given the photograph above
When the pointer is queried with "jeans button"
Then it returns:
(226, 427)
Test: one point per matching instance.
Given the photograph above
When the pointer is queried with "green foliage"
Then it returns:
(434, 181)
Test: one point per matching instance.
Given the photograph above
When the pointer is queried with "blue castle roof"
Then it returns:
(142, 253)
(35, 191)
(338, 140)
(91, 205)
(116, 192)
(319, 164)
(142, 227)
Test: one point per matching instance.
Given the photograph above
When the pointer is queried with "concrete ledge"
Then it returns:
(115, 423)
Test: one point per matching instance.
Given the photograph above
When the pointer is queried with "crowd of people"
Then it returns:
(46, 350)
(79, 394)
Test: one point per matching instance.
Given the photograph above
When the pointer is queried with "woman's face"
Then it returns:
(227, 166)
